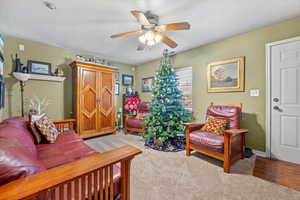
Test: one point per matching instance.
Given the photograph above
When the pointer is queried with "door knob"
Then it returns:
(275, 99)
(277, 108)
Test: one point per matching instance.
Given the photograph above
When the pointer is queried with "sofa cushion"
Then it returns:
(144, 107)
(135, 123)
(17, 121)
(230, 113)
(67, 148)
(214, 125)
(16, 128)
(16, 161)
(47, 128)
(207, 139)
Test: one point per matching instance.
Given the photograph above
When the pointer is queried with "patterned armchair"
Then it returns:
(228, 147)
(136, 122)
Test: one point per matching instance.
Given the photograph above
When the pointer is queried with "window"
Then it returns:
(185, 79)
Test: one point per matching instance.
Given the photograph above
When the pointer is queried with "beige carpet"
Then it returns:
(173, 176)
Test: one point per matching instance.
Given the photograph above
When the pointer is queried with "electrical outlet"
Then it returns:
(254, 92)
(21, 47)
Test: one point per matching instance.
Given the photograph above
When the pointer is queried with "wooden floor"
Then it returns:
(280, 172)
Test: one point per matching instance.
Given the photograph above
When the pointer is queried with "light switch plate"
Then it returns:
(254, 92)
(21, 47)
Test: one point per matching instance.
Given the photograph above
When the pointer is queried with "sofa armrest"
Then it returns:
(62, 125)
(98, 166)
(235, 132)
(189, 127)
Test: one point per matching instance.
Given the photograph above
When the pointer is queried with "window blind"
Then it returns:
(185, 84)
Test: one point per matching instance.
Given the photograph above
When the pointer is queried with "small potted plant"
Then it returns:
(37, 107)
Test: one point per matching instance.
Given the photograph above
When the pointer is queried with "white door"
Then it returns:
(285, 101)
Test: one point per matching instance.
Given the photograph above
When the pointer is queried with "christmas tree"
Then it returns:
(164, 121)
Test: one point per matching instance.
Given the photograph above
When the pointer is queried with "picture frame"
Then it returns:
(147, 84)
(226, 76)
(127, 80)
(117, 89)
(37, 67)
(1, 68)
(117, 76)
(2, 94)
(1, 57)
(1, 47)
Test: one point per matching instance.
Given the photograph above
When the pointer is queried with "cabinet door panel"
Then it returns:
(88, 103)
(107, 105)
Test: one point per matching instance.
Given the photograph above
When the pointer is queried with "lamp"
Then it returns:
(150, 38)
(22, 77)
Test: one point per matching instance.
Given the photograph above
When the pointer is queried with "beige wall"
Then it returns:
(252, 46)
(58, 93)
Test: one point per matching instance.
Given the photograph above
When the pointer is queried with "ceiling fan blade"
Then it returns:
(126, 34)
(140, 16)
(173, 27)
(141, 47)
(165, 39)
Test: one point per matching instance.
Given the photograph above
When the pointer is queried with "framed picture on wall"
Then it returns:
(1, 67)
(127, 80)
(37, 67)
(226, 76)
(117, 89)
(2, 94)
(147, 84)
(1, 47)
(117, 76)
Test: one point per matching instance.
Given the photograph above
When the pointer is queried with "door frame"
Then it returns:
(269, 89)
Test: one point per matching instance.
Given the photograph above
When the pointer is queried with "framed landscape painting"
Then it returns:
(226, 76)
(147, 84)
(127, 80)
(37, 67)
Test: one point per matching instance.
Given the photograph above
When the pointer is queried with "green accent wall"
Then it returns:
(58, 93)
(252, 46)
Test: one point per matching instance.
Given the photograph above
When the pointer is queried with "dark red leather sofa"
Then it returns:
(20, 157)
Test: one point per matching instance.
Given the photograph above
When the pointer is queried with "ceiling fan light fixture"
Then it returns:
(151, 42)
(150, 38)
(142, 39)
(149, 35)
(157, 38)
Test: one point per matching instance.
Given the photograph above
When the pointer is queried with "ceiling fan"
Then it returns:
(151, 31)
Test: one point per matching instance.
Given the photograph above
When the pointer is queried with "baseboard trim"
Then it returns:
(260, 153)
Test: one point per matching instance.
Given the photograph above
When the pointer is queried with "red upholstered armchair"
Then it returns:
(228, 147)
(136, 122)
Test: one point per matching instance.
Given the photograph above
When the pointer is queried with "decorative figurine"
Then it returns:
(18, 64)
(24, 69)
(59, 71)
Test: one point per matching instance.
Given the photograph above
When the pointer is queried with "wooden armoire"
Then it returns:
(93, 99)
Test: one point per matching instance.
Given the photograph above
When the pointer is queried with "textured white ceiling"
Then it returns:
(86, 25)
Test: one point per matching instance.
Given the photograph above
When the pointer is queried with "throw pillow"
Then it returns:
(47, 128)
(216, 126)
(35, 132)
(33, 129)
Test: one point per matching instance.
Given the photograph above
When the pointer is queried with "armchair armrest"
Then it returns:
(234, 132)
(189, 127)
(62, 125)
(44, 182)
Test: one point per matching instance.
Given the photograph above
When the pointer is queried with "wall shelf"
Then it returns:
(44, 77)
